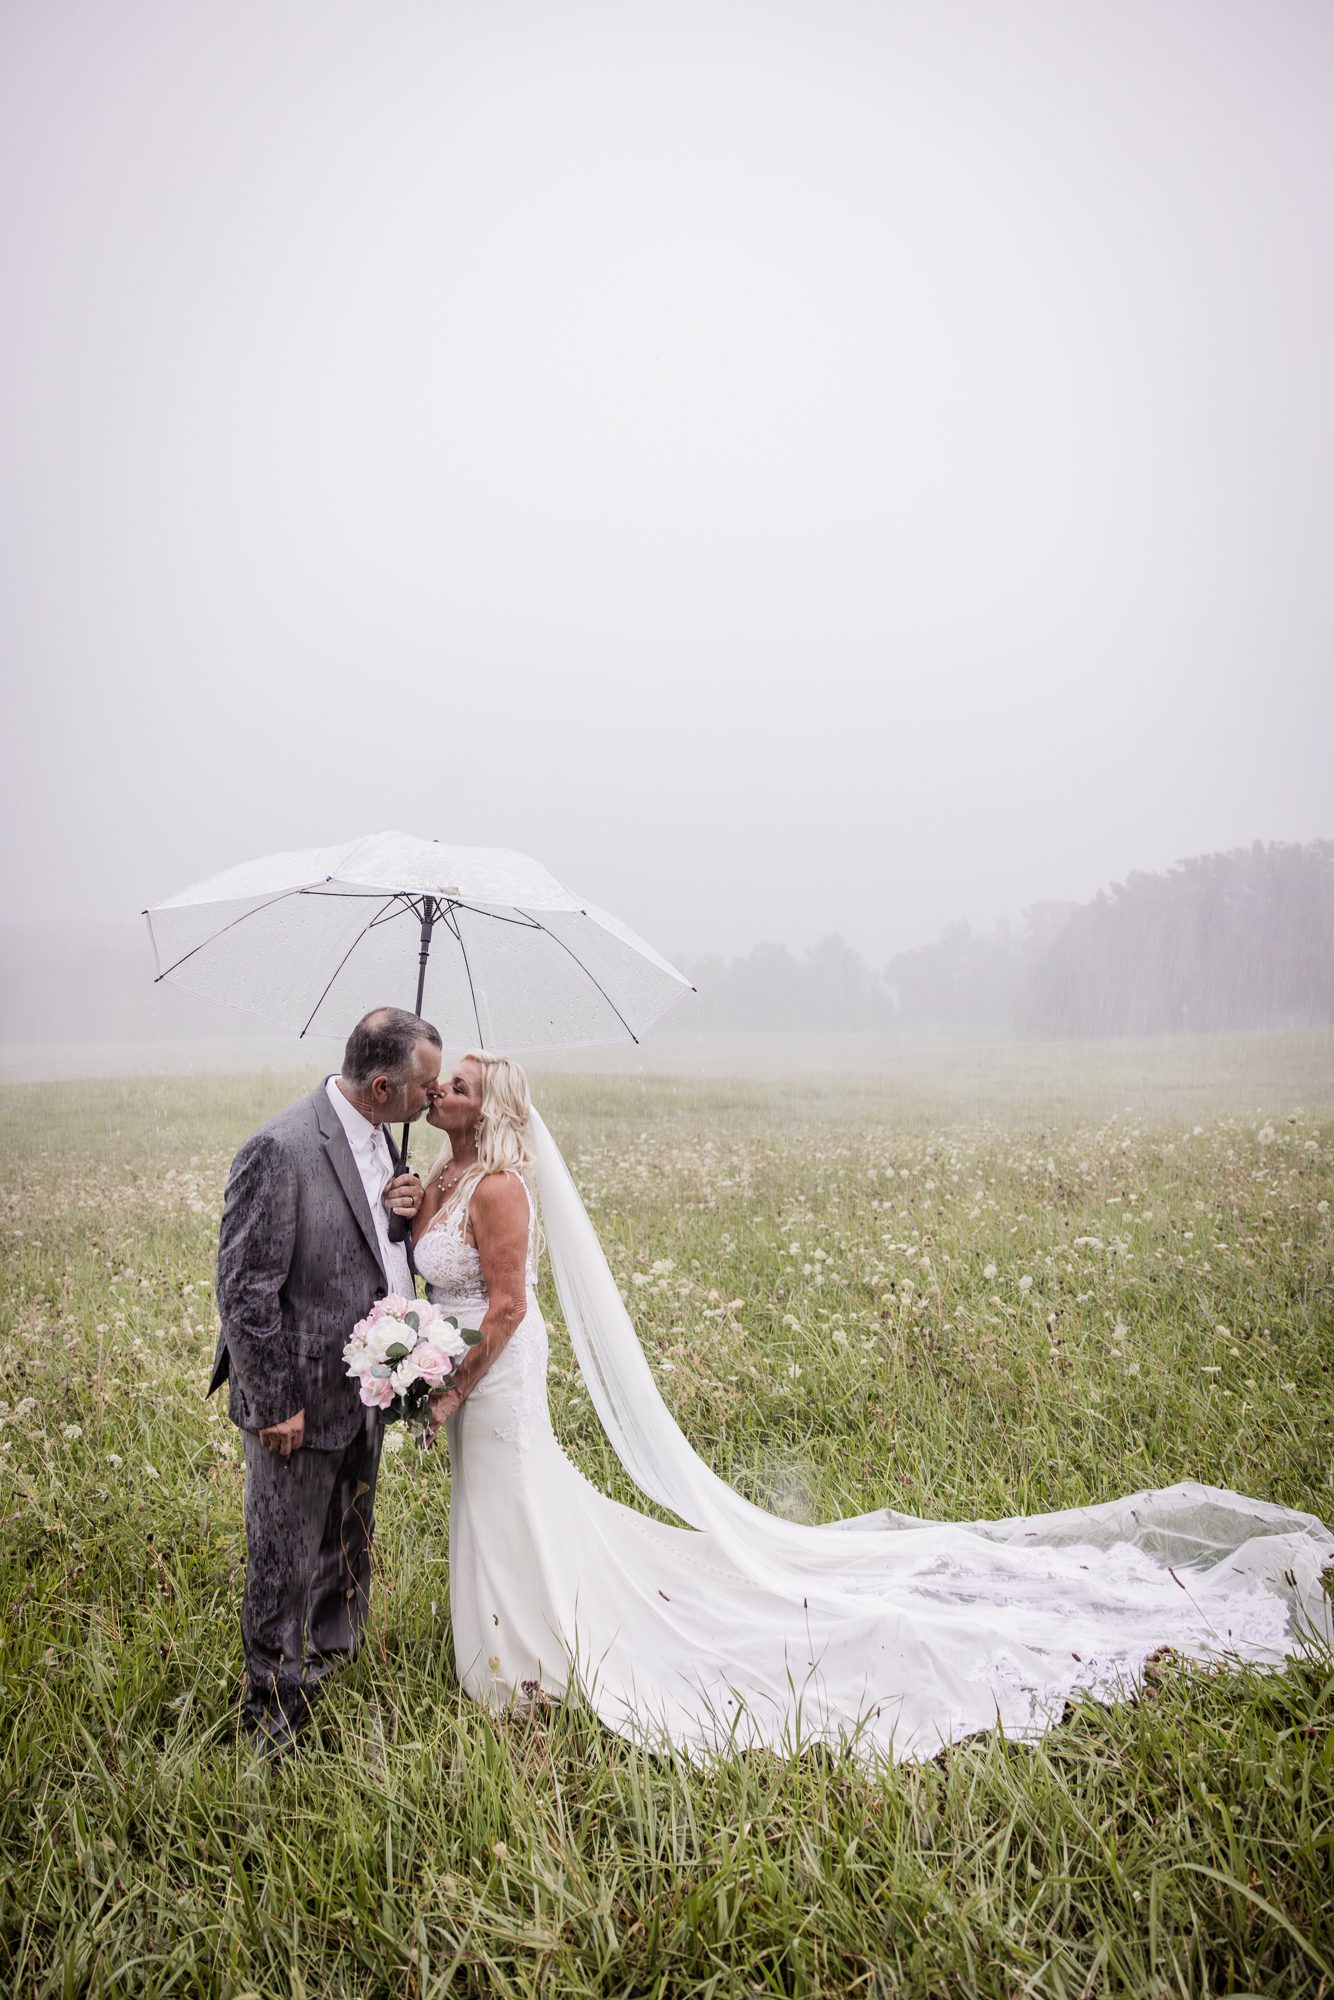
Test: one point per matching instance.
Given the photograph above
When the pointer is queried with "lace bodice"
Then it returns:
(452, 1266)
(511, 1398)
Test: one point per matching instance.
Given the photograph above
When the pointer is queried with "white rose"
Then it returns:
(387, 1333)
(448, 1337)
(403, 1377)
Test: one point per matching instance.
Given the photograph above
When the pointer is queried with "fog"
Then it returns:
(791, 469)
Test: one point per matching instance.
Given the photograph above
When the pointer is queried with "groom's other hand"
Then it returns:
(403, 1195)
(285, 1438)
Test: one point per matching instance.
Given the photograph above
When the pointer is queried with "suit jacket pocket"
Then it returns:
(315, 1349)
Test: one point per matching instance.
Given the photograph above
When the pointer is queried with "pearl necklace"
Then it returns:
(445, 1184)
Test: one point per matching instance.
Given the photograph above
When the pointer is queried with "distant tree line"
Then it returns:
(1237, 940)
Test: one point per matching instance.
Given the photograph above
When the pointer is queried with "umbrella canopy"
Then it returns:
(500, 953)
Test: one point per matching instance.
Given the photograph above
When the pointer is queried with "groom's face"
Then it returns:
(401, 1103)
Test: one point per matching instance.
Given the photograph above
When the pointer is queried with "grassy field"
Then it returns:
(962, 1283)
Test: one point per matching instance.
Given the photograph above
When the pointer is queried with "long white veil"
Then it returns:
(849, 1565)
(646, 1437)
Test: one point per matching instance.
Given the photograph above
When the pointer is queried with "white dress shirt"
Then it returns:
(371, 1153)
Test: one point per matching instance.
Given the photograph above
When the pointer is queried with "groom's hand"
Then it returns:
(285, 1438)
(403, 1195)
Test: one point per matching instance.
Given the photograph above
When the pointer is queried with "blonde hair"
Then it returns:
(502, 1129)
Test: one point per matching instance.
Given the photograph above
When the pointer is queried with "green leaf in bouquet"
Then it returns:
(398, 1352)
(413, 1320)
(472, 1334)
(451, 1320)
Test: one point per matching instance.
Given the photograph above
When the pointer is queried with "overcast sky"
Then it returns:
(788, 467)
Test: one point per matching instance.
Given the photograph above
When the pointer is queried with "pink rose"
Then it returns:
(432, 1363)
(376, 1393)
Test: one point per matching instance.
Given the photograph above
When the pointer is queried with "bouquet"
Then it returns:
(402, 1351)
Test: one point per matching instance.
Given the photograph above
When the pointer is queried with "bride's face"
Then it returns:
(456, 1102)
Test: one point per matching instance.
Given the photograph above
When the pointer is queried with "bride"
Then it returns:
(743, 1630)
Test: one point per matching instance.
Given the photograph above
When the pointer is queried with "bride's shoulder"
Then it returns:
(501, 1195)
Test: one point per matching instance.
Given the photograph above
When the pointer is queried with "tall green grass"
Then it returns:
(1178, 1324)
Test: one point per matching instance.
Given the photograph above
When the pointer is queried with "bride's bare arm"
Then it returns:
(499, 1214)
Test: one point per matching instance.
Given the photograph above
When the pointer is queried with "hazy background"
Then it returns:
(794, 469)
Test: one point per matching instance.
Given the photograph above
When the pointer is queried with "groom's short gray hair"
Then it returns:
(383, 1043)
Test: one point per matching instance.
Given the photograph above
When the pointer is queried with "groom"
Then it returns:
(304, 1251)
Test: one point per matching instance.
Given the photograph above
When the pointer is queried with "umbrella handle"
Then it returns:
(400, 1226)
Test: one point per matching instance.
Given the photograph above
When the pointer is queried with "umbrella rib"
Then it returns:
(342, 962)
(587, 975)
(404, 896)
(404, 910)
(213, 936)
(495, 917)
(451, 923)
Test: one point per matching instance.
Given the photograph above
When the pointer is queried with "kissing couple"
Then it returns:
(881, 1631)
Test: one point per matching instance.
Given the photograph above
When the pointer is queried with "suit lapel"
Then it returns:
(340, 1158)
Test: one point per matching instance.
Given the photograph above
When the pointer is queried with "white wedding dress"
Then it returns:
(743, 1630)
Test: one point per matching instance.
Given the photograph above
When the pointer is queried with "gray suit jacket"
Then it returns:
(298, 1265)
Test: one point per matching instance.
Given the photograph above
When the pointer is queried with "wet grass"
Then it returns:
(862, 1229)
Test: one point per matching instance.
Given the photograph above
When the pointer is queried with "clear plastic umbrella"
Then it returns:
(502, 954)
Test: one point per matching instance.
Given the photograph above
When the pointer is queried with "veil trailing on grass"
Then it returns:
(1190, 1565)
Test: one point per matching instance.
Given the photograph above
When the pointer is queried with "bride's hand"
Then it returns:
(403, 1195)
(444, 1402)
